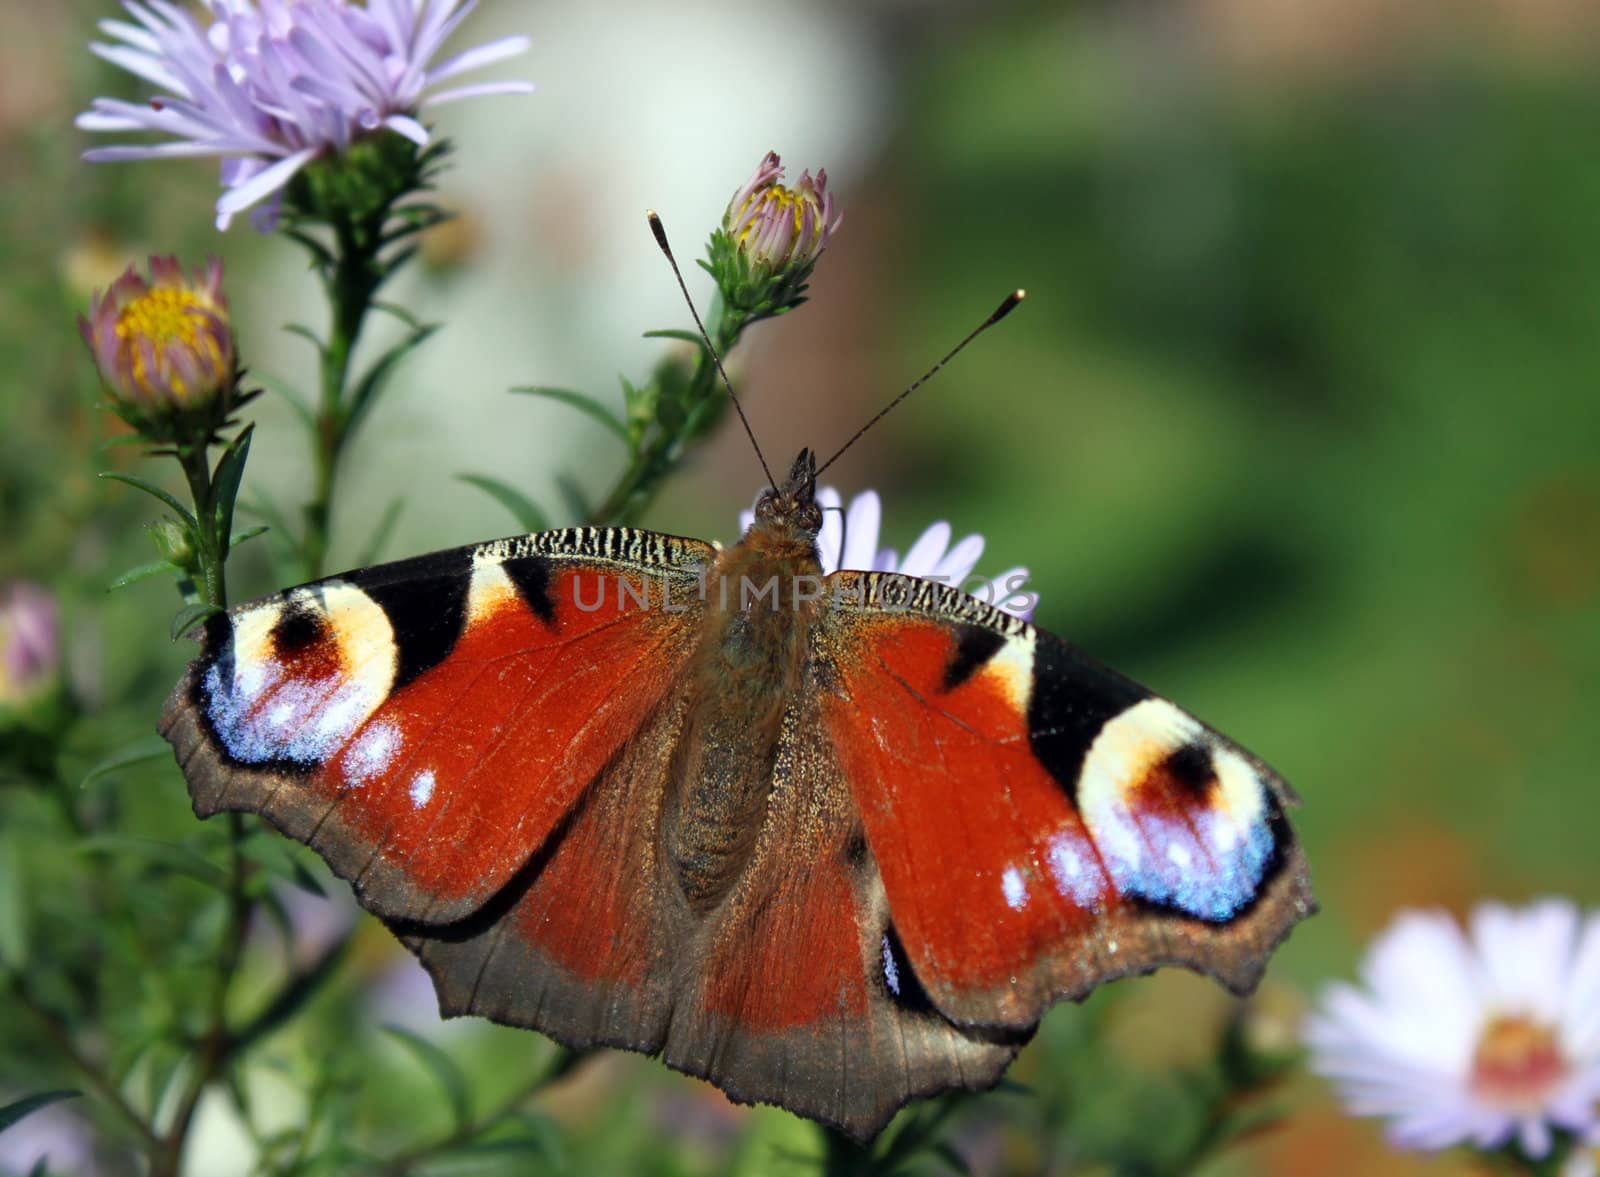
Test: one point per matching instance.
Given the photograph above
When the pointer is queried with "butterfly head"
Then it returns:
(793, 505)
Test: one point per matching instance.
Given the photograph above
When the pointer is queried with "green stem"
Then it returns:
(658, 455)
(213, 549)
(351, 285)
(217, 1047)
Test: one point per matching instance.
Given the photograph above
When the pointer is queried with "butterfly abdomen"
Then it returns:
(749, 664)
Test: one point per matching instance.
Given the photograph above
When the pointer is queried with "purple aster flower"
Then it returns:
(270, 85)
(1485, 1037)
(849, 539)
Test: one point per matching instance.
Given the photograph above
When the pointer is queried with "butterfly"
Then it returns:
(830, 842)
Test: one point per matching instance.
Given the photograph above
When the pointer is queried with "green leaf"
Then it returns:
(527, 514)
(138, 752)
(443, 1069)
(308, 334)
(283, 388)
(576, 502)
(248, 533)
(321, 256)
(586, 405)
(151, 488)
(29, 1104)
(675, 333)
(227, 476)
(381, 533)
(165, 856)
(13, 906)
(143, 572)
(192, 615)
(367, 388)
(399, 312)
(273, 855)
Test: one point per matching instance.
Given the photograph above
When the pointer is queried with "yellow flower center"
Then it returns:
(169, 316)
(778, 201)
(1517, 1064)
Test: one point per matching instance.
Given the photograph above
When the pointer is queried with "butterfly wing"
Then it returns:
(1041, 823)
(425, 725)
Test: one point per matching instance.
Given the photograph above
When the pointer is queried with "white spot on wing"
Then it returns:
(1077, 880)
(1014, 887)
(891, 971)
(372, 753)
(422, 788)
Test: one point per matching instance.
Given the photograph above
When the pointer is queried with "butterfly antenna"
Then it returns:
(1000, 312)
(661, 240)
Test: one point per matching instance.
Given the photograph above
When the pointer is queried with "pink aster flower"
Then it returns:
(1489, 1039)
(849, 539)
(270, 85)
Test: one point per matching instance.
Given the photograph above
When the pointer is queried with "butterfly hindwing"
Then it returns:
(425, 725)
(1041, 823)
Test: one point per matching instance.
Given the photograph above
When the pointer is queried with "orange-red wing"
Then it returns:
(1040, 823)
(426, 725)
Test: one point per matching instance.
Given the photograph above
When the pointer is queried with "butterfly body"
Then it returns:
(833, 842)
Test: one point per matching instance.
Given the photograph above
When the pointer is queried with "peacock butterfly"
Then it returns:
(830, 842)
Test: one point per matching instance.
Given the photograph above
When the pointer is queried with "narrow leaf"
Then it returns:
(399, 312)
(226, 478)
(577, 503)
(29, 1104)
(522, 508)
(272, 854)
(382, 532)
(192, 615)
(675, 333)
(283, 388)
(372, 383)
(142, 750)
(143, 572)
(248, 533)
(308, 334)
(166, 856)
(586, 405)
(151, 488)
(443, 1069)
(947, 1154)
(321, 255)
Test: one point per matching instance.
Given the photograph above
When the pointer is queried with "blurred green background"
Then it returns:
(1298, 425)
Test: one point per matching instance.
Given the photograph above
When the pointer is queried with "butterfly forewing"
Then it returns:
(425, 725)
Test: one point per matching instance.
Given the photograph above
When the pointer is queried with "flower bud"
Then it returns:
(778, 227)
(770, 239)
(165, 347)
